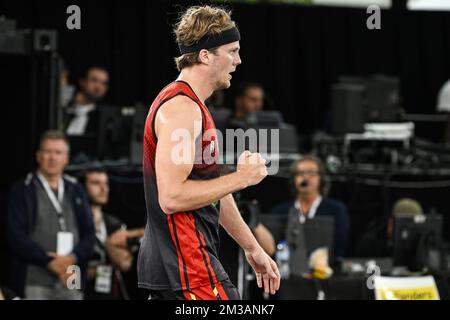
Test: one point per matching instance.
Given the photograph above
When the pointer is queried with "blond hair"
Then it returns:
(194, 24)
(53, 135)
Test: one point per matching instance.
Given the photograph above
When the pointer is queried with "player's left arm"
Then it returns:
(265, 268)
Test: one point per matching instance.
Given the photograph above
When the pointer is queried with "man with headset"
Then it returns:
(311, 187)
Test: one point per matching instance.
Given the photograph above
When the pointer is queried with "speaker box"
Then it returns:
(347, 108)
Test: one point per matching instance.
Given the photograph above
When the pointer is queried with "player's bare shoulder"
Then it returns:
(180, 106)
(180, 111)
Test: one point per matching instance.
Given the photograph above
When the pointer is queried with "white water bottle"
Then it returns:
(282, 258)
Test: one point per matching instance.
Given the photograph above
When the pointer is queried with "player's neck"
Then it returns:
(202, 89)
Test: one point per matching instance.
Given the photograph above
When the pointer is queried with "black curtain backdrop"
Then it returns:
(296, 52)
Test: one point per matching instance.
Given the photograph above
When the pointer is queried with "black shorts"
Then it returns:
(224, 290)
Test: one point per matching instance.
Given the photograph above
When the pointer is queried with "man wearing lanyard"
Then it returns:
(50, 227)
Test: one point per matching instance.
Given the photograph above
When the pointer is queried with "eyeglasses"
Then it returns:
(311, 173)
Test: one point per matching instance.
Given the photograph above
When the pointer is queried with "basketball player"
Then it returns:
(187, 200)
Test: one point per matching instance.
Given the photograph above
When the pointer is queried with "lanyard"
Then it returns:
(102, 234)
(56, 202)
(101, 237)
(312, 210)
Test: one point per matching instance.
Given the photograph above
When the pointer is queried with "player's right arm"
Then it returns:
(176, 192)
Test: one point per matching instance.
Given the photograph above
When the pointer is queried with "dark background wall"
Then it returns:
(295, 51)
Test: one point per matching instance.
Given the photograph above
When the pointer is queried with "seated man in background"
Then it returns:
(82, 116)
(378, 240)
(248, 100)
(310, 185)
(49, 225)
(113, 246)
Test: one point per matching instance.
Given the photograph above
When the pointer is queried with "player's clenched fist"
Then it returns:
(252, 167)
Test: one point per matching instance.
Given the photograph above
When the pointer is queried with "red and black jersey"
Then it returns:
(179, 250)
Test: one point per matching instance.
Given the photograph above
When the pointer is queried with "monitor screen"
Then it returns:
(410, 233)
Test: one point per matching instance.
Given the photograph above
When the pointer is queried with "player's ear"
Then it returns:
(204, 56)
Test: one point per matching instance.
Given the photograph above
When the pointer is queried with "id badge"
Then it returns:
(64, 243)
(103, 279)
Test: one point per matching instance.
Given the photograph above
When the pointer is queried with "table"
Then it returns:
(335, 288)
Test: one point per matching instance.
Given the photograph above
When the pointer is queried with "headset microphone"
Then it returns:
(304, 184)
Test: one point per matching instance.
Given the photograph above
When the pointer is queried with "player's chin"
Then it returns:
(223, 85)
(226, 84)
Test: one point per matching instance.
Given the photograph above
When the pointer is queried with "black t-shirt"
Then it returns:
(100, 257)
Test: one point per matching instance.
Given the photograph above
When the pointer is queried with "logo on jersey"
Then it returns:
(212, 147)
